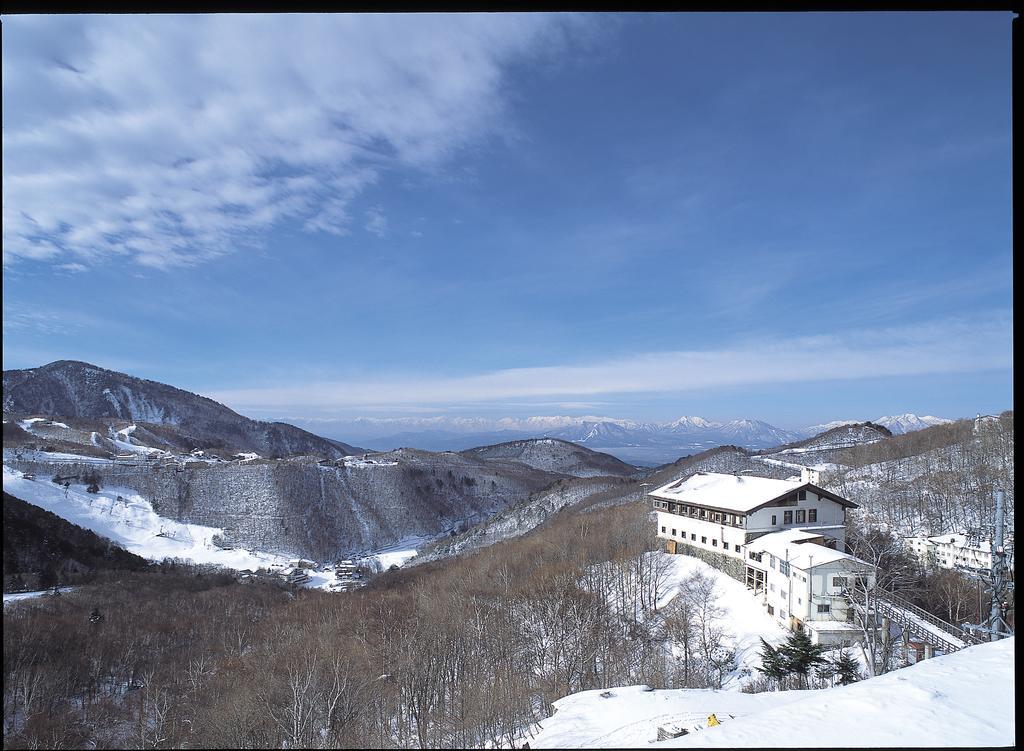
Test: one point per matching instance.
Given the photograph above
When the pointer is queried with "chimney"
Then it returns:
(810, 475)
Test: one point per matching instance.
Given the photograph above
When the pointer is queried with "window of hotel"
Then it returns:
(771, 561)
(812, 514)
(782, 614)
(771, 587)
(693, 537)
(663, 530)
(714, 543)
(673, 533)
(787, 517)
(704, 540)
(782, 594)
(771, 610)
(783, 568)
(725, 545)
(773, 520)
(838, 581)
(800, 516)
(824, 607)
(802, 496)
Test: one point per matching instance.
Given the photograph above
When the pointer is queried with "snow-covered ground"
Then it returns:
(400, 553)
(18, 596)
(962, 699)
(745, 620)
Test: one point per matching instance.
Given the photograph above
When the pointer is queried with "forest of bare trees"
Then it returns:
(465, 653)
(931, 481)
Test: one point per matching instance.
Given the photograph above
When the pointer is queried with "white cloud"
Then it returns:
(169, 139)
(376, 222)
(947, 346)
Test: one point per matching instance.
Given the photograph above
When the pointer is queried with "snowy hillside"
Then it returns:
(128, 519)
(963, 699)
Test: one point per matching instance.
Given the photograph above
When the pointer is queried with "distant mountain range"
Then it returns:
(645, 443)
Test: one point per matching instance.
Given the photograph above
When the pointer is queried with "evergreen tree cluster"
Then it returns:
(798, 656)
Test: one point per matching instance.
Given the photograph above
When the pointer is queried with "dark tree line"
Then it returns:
(43, 550)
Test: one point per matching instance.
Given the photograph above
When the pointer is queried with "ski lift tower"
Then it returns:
(997, 581)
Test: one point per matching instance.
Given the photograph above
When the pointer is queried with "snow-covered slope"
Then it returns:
(962, 699)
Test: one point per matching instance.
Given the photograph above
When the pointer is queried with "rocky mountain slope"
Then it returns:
(300, 506)
(175, 419)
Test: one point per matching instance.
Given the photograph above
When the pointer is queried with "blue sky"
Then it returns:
(792, 217)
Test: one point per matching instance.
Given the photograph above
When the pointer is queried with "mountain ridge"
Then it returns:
(75, 389)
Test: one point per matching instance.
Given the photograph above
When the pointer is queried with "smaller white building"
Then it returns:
(807, 583)
(954, 551)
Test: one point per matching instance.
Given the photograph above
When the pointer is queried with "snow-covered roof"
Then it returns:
(730, 492)
(792, 545)
(741, 493)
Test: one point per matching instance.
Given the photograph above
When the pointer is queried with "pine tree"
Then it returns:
(846, 668)
(773, 664)
(800, 654)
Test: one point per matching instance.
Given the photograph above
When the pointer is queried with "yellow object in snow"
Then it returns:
(712, 721)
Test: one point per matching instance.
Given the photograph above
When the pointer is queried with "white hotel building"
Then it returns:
(955, 551)
(784, 538)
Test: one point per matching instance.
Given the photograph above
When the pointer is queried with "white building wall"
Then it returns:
(799, 594)
(701, 534)
(831, 517)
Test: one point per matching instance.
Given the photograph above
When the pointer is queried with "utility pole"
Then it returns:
(995, 626)
(996, 622)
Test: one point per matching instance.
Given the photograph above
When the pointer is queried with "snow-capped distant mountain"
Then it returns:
(897, 424)
(907, 423)
(756, 432)
(688, 425)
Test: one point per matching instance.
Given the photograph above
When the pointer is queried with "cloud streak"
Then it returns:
(948, 346)
(170, 140)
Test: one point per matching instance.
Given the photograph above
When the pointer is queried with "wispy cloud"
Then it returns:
(168, 140)
(946, 346)
(376, 222)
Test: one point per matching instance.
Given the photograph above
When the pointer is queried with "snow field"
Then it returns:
(962, 699)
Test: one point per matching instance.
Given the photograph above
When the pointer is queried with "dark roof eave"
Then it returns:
(820, 491)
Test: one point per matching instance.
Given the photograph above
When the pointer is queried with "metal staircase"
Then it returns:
(922, 624)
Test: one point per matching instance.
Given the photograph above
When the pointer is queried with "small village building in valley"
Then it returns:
(785, 539)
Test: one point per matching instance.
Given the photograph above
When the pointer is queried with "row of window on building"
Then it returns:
(718, 517)
(703, 539)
